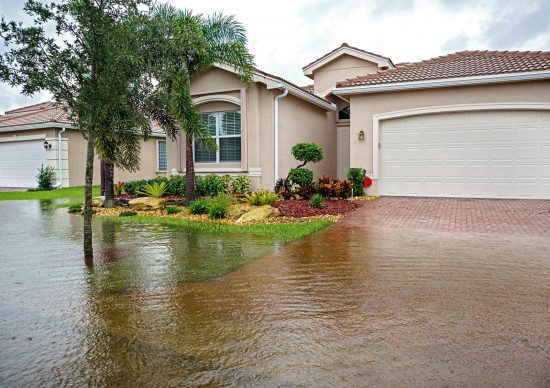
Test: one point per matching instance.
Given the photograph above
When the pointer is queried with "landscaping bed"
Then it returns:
(298, 208)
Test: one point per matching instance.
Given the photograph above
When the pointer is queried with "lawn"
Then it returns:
(282, 233)
(69, 192)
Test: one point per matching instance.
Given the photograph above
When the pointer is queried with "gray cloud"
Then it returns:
(458, 43)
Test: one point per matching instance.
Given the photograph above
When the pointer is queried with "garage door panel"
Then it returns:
(467, 154)
(19, 163)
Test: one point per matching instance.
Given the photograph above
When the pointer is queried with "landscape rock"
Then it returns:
(147, 204)
(98, 201)
(258, 214)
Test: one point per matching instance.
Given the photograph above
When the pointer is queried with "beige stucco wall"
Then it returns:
(363, 107)
(302, 122)
(77, 161)
(340, 69)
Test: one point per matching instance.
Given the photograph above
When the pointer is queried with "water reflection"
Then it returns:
(344, 307)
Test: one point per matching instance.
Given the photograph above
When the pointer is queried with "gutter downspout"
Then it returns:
(276, 132)
(60, 159)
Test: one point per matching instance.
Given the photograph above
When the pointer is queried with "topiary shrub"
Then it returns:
(127, 213)
(173, 210)
(317, 201)
(307, 152)
(44, 177)
(300, 176)
(357, 177)
(241, 184)
(199, 206)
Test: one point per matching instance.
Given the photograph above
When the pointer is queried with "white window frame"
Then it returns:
(158, 155)
(217, 137)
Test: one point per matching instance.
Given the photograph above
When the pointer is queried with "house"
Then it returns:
(468, 124)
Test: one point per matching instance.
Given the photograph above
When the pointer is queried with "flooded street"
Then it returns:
(347, 306)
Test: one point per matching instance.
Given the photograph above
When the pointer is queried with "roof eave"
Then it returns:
(444, 82)
(27, 127)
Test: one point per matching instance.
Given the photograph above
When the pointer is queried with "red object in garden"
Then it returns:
(367, 182)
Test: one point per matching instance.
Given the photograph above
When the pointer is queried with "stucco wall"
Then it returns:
(303, 122)
(363, 107)
(340, 69)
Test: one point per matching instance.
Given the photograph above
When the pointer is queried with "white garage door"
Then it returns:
(19, 163)
(484, 154)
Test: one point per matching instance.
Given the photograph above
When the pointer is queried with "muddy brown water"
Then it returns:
(342, 307)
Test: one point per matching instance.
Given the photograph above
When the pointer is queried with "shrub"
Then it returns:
(134, 187)
(357, 177)
(241, 184)
(227, 181)
(127, 213)
(199, 206)
(317, 201)
(118, 188)
(307, 152)
(334, 188)
(155, 190)
(283, 188)
(300, 176)
(217, 210)
(210, 185)
(261, 197)
(75, 208)
(44, 177)
(226, 198)
(176, 185)
(173, 210)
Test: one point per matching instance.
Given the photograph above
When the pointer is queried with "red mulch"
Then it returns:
(300, 207)
(168, 196)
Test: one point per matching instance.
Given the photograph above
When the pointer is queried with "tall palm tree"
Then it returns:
(183, 45)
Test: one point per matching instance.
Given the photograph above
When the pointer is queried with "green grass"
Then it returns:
(69, 192)
(282, 233)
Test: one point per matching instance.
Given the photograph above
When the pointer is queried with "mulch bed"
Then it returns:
(301, 208)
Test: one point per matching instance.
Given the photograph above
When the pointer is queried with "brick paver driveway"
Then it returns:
(525, 217)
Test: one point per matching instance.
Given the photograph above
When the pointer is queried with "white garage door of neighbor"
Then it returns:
(484, 154)
(19, 163)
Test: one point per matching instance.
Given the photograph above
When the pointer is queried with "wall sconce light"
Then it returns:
(361, 135)
(47, 146)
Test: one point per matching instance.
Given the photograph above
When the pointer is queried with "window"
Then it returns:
(343, 114)
(225, 127)
(162, 160)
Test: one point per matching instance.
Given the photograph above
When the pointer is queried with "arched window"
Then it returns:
(225, 127)
(343, 114)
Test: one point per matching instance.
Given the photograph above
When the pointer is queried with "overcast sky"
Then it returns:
(285, 35)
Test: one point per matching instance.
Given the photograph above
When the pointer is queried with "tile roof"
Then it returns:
(460, 64)
(351, 47)
(42, 113)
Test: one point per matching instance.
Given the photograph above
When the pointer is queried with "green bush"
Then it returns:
(44, 177)
(173, 210)
(241, 184)
(199, 206)
(75, 208)
(134, 187)
(227, 181)
(127, 213)
(317, 201)
(217, 210)
(226, 198)
(261, 197)
(176, 185)
(155, 190)
(307, 152)
(301, 177)
(357, 177)
(210, 185)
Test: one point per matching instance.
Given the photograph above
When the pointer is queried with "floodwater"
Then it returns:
(342, 307)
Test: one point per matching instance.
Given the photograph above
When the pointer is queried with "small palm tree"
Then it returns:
(192, 44)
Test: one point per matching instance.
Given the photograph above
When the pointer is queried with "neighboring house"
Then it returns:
(469, 124)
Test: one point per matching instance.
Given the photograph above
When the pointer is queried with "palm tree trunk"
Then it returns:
(189, 171)
(88, 182)
(109, 190)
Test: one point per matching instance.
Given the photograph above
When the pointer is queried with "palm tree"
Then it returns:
(190, 44)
